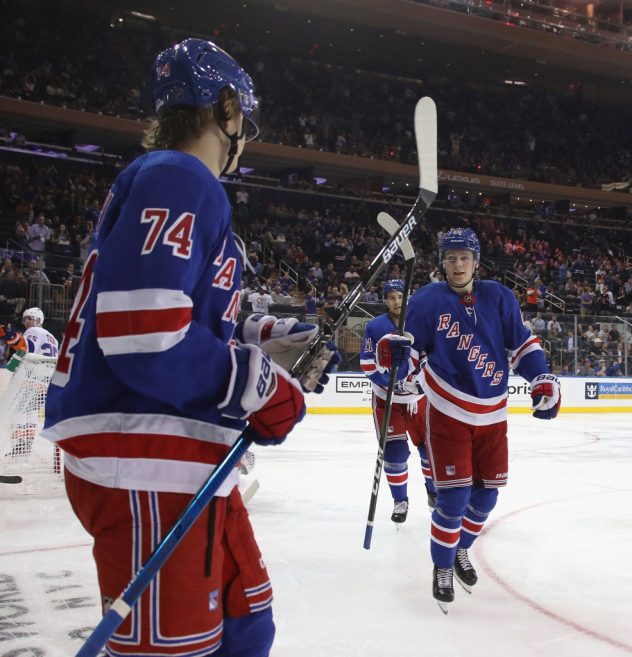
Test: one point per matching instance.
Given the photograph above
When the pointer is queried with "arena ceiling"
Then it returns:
(433, 43)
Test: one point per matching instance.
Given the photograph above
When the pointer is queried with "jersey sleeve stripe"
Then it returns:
(530, 345)
(142, 321)
(141, 344)
(149, 298)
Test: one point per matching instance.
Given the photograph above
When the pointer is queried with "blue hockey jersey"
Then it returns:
(145, 360)
(373, 331)
(467, 339)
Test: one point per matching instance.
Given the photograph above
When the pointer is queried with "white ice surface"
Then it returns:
(555, 575)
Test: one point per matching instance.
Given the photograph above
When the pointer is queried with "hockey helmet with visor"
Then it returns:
(194, 72)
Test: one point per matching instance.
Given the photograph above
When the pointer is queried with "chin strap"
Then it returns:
(460, 286)
(234, 143)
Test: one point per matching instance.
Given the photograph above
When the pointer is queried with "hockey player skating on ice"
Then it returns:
(465, 326)
(35, 340)
(150, 391)
(406, 415)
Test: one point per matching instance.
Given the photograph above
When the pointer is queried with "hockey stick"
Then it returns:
(388, 223)
(426, 137)
(10, 479)
(249, 493)
(426, 134)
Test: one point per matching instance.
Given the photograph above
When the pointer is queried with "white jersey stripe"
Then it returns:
(145, 299)
(147, 474)
(146, 343)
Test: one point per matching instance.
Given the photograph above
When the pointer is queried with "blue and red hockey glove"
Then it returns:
(393, 350)
(546, 396)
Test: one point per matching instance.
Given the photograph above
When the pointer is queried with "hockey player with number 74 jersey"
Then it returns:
(151, 390)
(466, 328)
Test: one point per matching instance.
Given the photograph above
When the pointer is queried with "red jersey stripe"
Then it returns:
(468, 406)
(141, 322)
(144, 446)
(526, 344)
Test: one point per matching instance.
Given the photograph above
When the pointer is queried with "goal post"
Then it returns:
(22, 451)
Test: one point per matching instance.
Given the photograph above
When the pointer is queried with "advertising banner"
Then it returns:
(350, 392)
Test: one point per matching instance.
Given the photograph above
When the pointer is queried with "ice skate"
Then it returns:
(400, 511)
(442, 587)
(464, 571)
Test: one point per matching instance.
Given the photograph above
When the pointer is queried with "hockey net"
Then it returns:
(22, 451)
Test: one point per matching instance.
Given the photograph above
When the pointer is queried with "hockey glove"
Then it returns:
(264, 393)
(10, 336)
(546, 396)
(393, 350)
(285, 340)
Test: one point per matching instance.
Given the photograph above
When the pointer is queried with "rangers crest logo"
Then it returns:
(213, 600)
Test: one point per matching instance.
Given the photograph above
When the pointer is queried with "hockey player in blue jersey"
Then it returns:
(466, 328)
(151, 391)
(407, 412)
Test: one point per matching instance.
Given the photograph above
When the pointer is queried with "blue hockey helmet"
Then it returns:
(194, 72)
(458, 239)
(394, 285)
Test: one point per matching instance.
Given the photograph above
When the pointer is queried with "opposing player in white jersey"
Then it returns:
(35, 340)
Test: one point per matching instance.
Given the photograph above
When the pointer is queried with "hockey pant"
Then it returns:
(469, 463)
(405, 420)
(212, 596)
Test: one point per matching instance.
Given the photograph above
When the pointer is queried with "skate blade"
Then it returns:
(443, 606)
(466, 587)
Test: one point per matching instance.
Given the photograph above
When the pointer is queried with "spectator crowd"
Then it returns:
(309, 249)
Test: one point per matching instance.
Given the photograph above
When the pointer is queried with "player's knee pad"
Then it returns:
(396, 451)
(483, 500)
(452, 502)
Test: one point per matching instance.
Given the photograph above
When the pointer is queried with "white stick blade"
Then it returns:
(426, 137)
(390, 226)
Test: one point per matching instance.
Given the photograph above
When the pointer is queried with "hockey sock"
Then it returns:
(446, 524)
(425, 469)
(397, 477)
(482, 501)
(396, 455)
